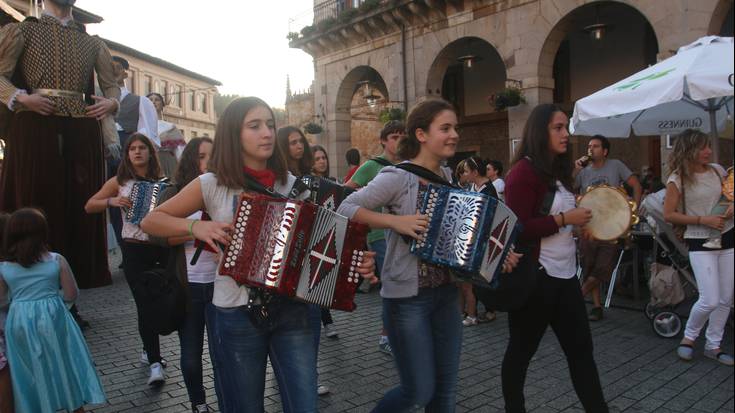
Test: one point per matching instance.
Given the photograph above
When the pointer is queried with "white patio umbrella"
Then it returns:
(692, 89)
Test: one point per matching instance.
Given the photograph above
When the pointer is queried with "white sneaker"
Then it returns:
(330, 331)
(144, 359)
(322, 390)
(469, 321)
(157, 375)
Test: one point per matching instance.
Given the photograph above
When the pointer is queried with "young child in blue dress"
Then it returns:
(6, 388)
(50, 365)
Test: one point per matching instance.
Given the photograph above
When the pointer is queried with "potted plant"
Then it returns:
(388, 114)
(506, 98)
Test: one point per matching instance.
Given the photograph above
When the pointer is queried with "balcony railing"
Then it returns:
(330, 8)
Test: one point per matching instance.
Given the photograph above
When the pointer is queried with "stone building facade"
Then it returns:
(410, 50)
(189, 95)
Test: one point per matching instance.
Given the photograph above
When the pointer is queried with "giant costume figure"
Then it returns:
(54, 144)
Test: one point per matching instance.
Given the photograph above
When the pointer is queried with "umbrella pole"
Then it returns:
(714, 138)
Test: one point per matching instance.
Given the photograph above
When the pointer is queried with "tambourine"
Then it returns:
(613, 214)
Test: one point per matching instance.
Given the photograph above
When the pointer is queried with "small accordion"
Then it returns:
(325, 192)
(145, 196)
(468, 232)
(295, 249)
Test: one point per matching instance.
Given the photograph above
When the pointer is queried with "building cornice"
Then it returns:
(159, 62)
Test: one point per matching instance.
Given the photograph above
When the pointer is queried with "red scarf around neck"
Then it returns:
(266, 177)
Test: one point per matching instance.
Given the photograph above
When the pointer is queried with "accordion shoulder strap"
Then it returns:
(424, 173)
(253, 185)
(548, 201)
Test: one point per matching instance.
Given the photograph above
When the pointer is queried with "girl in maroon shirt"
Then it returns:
(543, 165)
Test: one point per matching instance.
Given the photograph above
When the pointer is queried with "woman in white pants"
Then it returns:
(692, 191)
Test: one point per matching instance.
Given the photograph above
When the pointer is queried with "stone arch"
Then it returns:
(561, 22)
(722, 12)
(448, 55)
(348, 86)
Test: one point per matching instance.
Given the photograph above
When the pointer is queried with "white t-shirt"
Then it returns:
(499, 185)
(700, 196)
(219, 202)
(558, 251)
(204, 271)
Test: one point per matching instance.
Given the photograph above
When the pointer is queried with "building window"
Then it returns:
(193, 134)
(147, 82)
(164, 93)
(193, 101)
(176, 96)
(202, 105)
(131, 81)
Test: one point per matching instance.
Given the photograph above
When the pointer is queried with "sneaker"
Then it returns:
(595, 314)
(685, 352)
(720, 356)
(330, 331)
(157, 377)
(469, 321)
(385, 348)
(487, 317)
(144, 359)
(200, 408)
(322, 390)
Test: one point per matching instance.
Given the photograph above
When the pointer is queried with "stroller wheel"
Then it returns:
(666, 324)
(649, 310)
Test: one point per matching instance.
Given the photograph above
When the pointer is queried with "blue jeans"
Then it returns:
(241, 350)
(191, 340)
(378, 247)
(425, 333)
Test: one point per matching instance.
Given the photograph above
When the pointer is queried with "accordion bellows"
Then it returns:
(295, 249)
(469, 232)
(144, 195)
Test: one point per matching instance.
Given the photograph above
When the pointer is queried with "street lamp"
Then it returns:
(370, 97)
(468, 60)
(597, 30)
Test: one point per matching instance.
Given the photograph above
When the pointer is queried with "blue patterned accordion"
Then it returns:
(144, 195)
(469, 232)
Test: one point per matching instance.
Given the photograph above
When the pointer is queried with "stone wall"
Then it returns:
(300, 109)
(526, 34)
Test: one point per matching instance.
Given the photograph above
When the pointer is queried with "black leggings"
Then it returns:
(557, 303)
(138, 258)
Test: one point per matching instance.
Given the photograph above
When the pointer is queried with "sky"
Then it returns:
(241, 43)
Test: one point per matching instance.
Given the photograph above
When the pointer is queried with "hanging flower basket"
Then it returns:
(506, 98)
(313, 128)
(388, 114)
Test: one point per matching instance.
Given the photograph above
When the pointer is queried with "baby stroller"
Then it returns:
(668, 305)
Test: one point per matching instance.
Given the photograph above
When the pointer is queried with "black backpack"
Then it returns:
(163, 300)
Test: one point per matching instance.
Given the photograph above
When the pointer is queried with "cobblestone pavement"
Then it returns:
(639, 371)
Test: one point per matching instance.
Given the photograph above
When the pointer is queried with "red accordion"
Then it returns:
(295, 249)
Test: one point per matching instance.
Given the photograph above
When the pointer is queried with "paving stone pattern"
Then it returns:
(639, 371)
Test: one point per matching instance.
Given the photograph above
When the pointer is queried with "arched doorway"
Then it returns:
(361, 98)
(594, 46)
(467, 72)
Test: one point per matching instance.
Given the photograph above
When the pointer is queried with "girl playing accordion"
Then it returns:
(245, 143)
